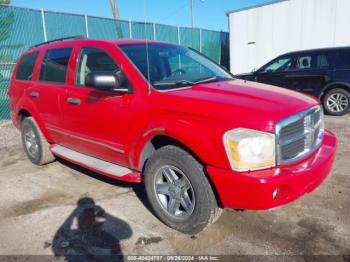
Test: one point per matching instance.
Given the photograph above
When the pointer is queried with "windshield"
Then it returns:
(171, 66)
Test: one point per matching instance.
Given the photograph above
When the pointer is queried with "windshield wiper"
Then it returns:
(186, 82)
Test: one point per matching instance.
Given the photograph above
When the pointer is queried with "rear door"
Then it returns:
(274, 72)
(96, 121)
(313, 70)
(50, 87)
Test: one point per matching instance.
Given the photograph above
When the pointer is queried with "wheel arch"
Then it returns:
(329, 87)
(30, 111)
(160, 140)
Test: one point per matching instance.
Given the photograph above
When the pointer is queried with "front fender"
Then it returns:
(207, 146)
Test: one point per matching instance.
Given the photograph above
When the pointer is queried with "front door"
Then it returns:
(96, 121)
(274, 73)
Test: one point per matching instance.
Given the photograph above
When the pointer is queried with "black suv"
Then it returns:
(323, 73)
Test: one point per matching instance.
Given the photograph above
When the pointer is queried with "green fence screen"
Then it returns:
(60, 25)
(21, 28)
(142, 31)
(166, 33)
(106, 28)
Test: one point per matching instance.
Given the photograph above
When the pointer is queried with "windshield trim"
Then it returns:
(171, 89)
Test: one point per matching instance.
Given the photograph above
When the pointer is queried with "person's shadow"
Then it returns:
(89, 233)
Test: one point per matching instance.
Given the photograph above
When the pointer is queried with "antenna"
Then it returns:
(192, 11)
(147, 48)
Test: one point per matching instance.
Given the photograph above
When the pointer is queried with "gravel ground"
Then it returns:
(44, 212)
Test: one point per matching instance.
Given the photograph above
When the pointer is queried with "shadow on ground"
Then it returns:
(90, 234)
(138, 188)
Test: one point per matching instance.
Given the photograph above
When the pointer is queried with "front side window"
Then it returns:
(281, 64)
(55, 65)
(26, 67)
(168, 66)
(93, 60)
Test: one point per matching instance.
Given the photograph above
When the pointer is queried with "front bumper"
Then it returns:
(254, 190)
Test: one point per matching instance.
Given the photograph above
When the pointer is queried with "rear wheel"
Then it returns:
(337, 102)
(178, 190)
(34, 143)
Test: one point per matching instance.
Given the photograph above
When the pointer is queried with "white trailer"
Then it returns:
(260, 33)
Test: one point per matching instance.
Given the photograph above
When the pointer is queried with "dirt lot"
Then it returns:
(43, 207)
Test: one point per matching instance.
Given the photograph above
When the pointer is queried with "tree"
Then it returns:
(6, 20)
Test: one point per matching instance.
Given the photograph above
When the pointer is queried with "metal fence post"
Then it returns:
(86, 26)
(200, 39)
(43, 23)
(130, 29)
(154, 31)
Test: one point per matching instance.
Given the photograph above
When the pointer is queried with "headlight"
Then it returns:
(249, 149)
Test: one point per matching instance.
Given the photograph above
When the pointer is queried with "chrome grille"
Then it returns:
(299, 135)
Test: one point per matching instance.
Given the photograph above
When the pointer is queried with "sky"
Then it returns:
(209, 14)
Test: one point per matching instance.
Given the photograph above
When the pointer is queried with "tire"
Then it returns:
(34, 143)
(189, 183)
(336, 102)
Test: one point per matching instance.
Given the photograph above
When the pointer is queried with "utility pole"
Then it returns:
(115, 11)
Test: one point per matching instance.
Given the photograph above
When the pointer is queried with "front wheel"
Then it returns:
(337, 102)
(178, 190)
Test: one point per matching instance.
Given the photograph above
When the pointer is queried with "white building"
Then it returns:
(260, 33)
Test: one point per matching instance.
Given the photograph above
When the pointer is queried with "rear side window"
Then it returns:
(344, 59)
(55, 65)
(313, 61)
(26, 67)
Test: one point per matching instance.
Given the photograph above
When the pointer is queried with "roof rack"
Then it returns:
(60, 39)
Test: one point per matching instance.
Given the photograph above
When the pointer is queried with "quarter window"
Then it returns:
(55, 65)
(344, 59)
(93, 60)
(26, 67)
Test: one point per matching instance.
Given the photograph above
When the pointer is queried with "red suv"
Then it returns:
(167, 116)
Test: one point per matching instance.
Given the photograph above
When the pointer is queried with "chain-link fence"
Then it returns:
(21, 28)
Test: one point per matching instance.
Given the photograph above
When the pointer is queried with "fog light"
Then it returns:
(275, 193)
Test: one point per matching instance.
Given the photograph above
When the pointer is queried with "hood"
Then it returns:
(239, 103)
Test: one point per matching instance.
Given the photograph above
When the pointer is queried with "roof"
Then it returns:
(318, 49)
(69, 40)
(255, 6)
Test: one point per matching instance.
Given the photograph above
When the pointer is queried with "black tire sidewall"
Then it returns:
(204, 197)
(331, 92)
(28, 122)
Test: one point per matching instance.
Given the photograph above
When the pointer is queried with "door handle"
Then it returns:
(34, 94)
(73, 101)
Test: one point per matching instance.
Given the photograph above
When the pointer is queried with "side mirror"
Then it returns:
(111, 81)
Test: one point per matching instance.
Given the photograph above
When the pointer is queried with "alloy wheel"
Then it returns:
(31, 142)
(337, 102)
(174, 192)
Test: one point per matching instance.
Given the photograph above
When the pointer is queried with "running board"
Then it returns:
(97, 165)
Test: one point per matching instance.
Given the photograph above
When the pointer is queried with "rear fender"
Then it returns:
(29, 106)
